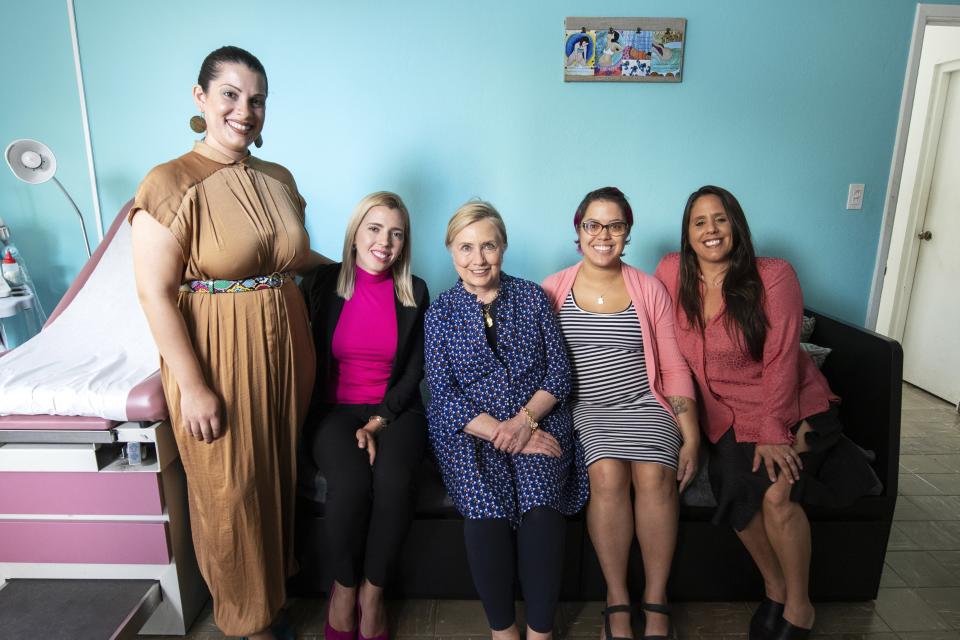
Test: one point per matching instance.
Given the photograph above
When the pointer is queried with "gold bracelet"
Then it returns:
(533, 424)
(380, 419)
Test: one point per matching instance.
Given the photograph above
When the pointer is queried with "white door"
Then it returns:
(931, 338)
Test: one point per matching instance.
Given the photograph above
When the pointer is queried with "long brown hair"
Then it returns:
(742, 287)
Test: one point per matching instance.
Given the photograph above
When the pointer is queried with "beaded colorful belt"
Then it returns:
(273, 281)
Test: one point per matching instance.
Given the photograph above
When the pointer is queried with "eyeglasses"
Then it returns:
(593, 228)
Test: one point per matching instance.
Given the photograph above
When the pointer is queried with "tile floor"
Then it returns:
(919, 595)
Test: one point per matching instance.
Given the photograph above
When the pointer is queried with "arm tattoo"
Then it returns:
(679, 404)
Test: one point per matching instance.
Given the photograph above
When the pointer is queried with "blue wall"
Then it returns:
(40, 101)
(785, 103)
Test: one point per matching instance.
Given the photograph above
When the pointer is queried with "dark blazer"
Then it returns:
(324, 306)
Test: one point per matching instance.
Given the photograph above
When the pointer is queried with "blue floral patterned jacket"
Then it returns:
(467, 377)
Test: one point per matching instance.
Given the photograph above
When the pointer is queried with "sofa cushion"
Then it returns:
(817, 353)
(806, 328)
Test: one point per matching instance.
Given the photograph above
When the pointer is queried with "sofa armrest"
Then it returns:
(866, 370)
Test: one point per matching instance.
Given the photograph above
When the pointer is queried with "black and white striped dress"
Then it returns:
(615, 414)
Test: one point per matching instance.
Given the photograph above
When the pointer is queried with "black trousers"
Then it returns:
(538, 556)
(368, 508)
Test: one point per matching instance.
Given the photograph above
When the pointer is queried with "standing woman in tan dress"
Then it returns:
(214, 251)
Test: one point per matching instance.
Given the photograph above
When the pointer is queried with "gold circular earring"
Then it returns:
(198, 124)
(258, 142)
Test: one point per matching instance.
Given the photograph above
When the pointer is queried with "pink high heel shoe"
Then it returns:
(383, 636)
(333, 634)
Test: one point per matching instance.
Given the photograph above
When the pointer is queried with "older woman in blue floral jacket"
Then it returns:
(499, 423)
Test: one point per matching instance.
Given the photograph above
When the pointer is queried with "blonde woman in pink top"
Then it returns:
(765, 408)
(366, 429)
(633, 407)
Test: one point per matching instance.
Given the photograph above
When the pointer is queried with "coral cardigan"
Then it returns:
(667, 370)
(763, 399)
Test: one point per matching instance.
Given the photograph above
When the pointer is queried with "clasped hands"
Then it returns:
(515, 436)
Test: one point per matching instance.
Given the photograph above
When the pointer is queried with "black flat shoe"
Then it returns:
(614, 608)
(765, 619)
(665, 610)
(787, 631)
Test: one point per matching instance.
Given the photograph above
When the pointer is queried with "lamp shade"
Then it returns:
(31, 161)
(34, 163)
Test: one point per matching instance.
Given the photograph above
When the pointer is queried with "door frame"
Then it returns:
(917, 211)
(926, 15)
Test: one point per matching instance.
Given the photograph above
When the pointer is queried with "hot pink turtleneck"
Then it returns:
(365, 341)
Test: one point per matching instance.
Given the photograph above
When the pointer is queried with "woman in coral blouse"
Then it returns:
(764, 406)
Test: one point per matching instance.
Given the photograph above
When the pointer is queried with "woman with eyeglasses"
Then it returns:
(500, 426)
(633, 407)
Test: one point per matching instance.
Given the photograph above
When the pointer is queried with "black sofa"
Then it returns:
(710, 564)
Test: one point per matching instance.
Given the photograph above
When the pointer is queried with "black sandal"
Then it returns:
(614, 608)
(665, 610)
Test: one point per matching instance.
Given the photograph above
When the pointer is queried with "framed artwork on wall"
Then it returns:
(623, 49)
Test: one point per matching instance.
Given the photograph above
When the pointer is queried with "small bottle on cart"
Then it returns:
(11, 270)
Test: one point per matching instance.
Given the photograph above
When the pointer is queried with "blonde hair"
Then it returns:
(402, 278)
(471, 212)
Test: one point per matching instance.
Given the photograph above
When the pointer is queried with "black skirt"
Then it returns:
(836, 472)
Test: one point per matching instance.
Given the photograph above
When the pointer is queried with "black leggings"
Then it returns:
(368, 509)
(539, 554)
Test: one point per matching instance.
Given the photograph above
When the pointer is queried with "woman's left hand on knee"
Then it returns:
(773, 456)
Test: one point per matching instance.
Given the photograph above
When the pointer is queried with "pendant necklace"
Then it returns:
(602, 293)
(487, 317)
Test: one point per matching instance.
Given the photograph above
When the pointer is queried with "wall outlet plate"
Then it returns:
(855, 196)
